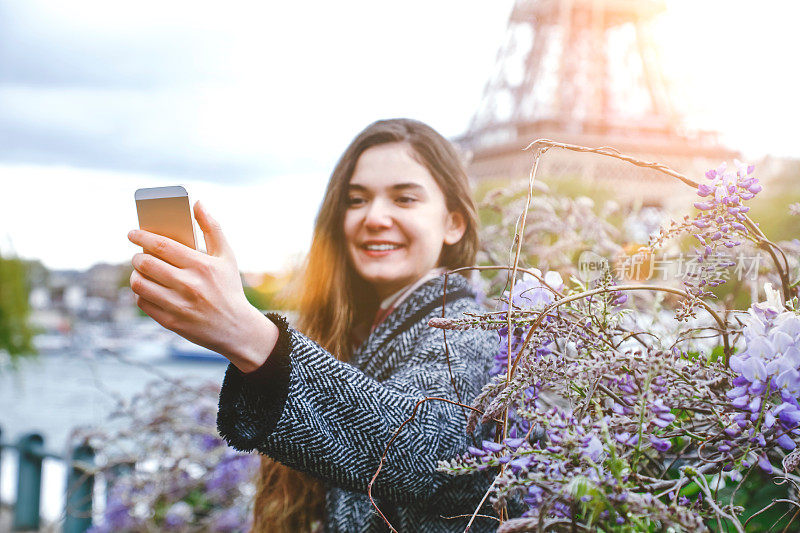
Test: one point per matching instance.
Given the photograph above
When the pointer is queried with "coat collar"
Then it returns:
(390, 303)
(423, 299)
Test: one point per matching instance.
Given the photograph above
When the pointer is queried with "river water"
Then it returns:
(53, 393)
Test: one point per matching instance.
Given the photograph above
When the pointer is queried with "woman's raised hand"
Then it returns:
(200, 296)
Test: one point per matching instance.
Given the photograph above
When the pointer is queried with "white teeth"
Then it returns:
(381, 247)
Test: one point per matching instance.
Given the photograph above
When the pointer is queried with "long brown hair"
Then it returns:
(330, 299)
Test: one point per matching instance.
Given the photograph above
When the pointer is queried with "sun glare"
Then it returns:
(723, 60)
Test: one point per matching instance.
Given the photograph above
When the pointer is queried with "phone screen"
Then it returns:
(165, 211)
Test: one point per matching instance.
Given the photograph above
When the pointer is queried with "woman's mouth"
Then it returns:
(379, 250)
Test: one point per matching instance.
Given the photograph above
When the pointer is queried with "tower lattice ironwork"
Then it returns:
(584, 72)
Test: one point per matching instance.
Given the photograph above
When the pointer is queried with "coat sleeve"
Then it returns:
(324, 417)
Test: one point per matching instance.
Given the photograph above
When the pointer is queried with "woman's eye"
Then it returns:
(407, 199)
(353, 201)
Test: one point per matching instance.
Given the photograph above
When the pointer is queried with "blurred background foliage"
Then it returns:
(771, 210)
(496, 198)
(16, 334)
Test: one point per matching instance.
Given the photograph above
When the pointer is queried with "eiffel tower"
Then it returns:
(585, 72)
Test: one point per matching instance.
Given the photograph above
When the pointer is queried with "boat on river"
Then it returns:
(183, 350)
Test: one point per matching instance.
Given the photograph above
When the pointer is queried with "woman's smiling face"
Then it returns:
(396, 220)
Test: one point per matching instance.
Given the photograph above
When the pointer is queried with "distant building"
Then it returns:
(103, 280)
(92, 295)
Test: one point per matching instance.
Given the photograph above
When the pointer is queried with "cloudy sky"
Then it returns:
(248, 104)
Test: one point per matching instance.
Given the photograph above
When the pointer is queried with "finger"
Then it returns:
(155, 293)
(158, 270)
(167, 249)
(216, 243)
(155, 312)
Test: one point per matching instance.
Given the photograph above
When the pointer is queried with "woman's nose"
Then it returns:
(378, 215)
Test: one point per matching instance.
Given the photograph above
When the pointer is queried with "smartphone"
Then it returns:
(165, 211)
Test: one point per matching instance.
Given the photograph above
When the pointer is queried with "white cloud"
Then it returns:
(251, 89)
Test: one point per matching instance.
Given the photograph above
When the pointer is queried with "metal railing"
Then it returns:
(79, 489)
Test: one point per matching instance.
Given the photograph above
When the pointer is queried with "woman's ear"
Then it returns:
(456, 226)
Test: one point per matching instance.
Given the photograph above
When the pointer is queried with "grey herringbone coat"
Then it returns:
(333, 420)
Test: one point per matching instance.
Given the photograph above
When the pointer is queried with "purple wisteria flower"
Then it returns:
(232, 471)
(767, 383)
(229, 520)
(183, 487)
(722, 212)
(178, 515)
(529, 293)
(118, 514)
(209, 442)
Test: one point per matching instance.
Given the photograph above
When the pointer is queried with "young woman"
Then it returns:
(321, 400)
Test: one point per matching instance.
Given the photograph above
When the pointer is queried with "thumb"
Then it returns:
(216, 244)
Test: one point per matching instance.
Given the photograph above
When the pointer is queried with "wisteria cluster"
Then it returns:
(720, 224)
(529, 293)
(767, 383)
(603, 427)
(722, 212)
(557, 227)
(721, 218)
(569, 467)
(167, 469)
(634, 424)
